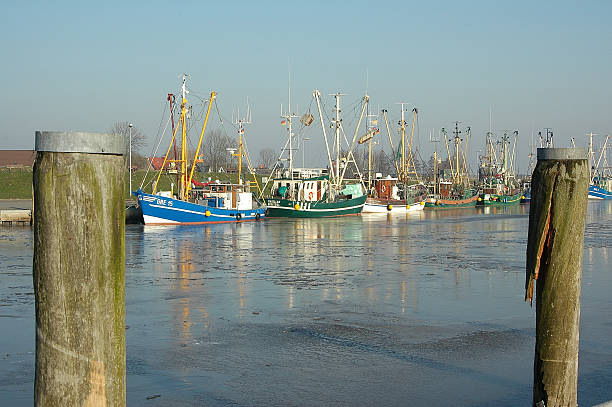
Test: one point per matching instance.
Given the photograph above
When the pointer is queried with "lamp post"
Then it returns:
(130, 149)
(232, 152)
(303, 141)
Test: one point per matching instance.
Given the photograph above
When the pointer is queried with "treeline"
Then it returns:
(215, 154)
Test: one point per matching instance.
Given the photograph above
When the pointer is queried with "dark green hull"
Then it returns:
(499, 200)
(286, 208)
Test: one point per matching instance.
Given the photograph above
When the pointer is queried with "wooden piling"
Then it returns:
(557, 217)
(79, 269)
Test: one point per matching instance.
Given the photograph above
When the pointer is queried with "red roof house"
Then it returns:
(17, 158)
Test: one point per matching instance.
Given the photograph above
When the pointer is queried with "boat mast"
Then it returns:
(490, 151)
(591, 155)
(335, 177)
(435, 140)
(290, 132)
(605, 166)
(465, 173)
(602, 154)
(288, 116)
(407, 166)
(371, 129)
(450, 157)
(435, 172)
(397, 168)
(317, 95)
(197, 152)
(337, 122)
(241, 122)
(240, 133)
(411, 164)
(531, 155)
(171, 101)
(183, 185)
(505, 157)
(350, 156)
(513, 170)
(370, 141)
(458, 173)
(403, 143)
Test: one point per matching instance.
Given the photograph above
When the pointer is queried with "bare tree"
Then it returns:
(382, 163)
(123, 129)
(215, 150)
(268, 157)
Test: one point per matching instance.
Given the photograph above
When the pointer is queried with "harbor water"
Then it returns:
(423, 309)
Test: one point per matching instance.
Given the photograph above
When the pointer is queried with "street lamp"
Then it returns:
(303, 141)
(232, 152)
(130, 148)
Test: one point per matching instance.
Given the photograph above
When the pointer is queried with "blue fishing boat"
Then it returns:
(526, 197)
(600, 188)
(499, 184)
(163, 210)
(600, 185)
(195, 202)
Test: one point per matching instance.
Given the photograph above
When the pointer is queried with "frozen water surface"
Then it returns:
(423, 309)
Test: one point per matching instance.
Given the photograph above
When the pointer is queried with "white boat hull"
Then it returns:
(371, 207)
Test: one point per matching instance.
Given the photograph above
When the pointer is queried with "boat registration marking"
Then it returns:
(187, 210)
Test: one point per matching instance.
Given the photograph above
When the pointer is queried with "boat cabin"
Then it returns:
(445, 189)
(386, 188)
(308, 190)
(223, 195)
(603, 182)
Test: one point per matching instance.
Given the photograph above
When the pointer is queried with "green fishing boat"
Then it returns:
(498, 200)
(452, 188)
(316, 192)
(314, 198)
(496, 173)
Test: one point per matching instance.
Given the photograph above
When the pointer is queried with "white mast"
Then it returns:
(183, 185)
(349, 155)
(591, 152)
(403, 143)
(288, 116)
(337, 122)
(371, 128)
(241, 122)
(317, 95)
(290, 131)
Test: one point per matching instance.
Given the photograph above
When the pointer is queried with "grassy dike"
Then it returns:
(17, 183)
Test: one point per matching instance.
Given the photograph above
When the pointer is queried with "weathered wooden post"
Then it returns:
(79, 280)
(557, 217)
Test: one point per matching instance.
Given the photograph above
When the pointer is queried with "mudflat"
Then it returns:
(15, 204)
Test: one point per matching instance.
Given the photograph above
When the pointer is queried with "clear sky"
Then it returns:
(86, 65)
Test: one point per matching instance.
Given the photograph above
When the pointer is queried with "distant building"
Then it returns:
(17, 158)
(262, 170)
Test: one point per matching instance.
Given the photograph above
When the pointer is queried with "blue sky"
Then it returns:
(86, 65)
